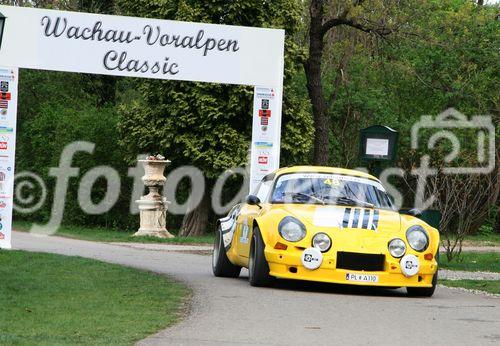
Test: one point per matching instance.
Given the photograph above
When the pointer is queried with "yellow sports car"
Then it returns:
(326, 224)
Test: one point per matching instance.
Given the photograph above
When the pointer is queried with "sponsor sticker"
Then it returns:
(265, 104)
(245, 232)
(263, 160)
(328, 216)
(263, 144)
(311, 258)
(4, 86)
(265, 113)
(409, 265)
(265, 93)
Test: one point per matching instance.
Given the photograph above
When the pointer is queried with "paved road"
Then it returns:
(230, 312)
(469, 248)
(465, 275)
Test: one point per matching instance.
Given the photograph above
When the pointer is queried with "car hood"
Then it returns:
(328, 217)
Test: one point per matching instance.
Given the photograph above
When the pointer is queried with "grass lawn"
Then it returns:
(473, 261)
(492, 286)
(50, 299)
(107, 235)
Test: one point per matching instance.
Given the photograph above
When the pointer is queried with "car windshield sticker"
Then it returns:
(333, 179)
(331, 182)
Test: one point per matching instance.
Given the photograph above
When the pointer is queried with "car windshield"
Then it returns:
(327, 188)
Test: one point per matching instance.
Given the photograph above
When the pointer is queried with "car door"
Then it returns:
(248, 213)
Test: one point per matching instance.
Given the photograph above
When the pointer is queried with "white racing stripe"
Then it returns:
(370, 221)
(351, 218)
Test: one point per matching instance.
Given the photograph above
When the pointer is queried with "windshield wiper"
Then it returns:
(353, 201)
(301, 194)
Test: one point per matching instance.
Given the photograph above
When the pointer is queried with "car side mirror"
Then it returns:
(253, 200)
(415, 212)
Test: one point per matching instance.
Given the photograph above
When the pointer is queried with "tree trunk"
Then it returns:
(314, 87)
(195, 223)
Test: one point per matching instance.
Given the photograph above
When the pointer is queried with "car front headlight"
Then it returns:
(397, 248)
(417, 238)
(322, 242)
(291, 229)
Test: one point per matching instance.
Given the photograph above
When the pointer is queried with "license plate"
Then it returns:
(361, 277)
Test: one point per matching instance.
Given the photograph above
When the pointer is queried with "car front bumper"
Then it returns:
(287, 264)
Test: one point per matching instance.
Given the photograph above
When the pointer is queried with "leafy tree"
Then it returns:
(206, 125)
(102, 86)
(366, 16)
(445, 56)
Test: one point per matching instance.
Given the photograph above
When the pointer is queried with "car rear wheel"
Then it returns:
(424, 291)
(258, 268)
(221, 266)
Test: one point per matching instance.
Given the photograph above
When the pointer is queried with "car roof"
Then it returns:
(324, 169)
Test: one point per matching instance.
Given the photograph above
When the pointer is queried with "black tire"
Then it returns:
(258, 268)
(423, 291)
(221, 266)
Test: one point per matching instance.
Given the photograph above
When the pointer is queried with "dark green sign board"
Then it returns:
(378, 143)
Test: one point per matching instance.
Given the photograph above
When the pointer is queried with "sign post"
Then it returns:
(8, 112)
(378, 144)
(266, 133)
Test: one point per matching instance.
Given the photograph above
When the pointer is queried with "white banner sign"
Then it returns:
(140, 47)
(152, 48)
(8, 110)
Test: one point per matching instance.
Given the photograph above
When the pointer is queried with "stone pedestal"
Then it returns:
(153, 206)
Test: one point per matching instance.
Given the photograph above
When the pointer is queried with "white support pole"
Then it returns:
(8, 118)
(266, 133)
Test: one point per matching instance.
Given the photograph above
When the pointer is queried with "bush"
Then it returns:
(41, 141)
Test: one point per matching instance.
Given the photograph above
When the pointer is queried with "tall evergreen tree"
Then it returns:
(207, 125)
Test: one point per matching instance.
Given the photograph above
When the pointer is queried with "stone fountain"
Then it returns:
(153, 206)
